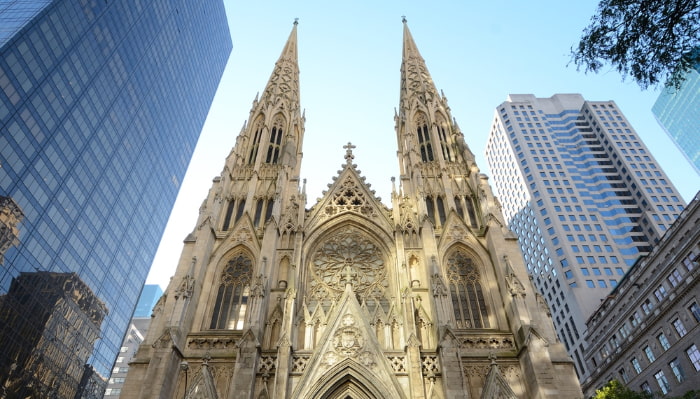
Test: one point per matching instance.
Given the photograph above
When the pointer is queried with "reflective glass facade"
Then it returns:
(101, 105)
(677, 112)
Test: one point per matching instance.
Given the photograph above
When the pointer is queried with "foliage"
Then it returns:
(653, 41)
(615, 390)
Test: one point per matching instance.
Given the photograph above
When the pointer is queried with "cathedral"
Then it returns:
(349, 298)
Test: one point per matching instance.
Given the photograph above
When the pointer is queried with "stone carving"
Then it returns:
(398, 363)
(487, 342)
(347, 254)
(299, 363)
(268, 365)
(211, 343)
(242, 235)
(349, 197)
(348, 342)
(430, 365)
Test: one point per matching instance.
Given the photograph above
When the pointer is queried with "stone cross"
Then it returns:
(348, 152)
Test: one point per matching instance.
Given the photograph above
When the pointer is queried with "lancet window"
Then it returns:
(234, 207)
(263, 207)
(256, 142)
(426, 148)
(273, 149)
(468, 301)
(444, 142)
(436, 206)
(232, 297)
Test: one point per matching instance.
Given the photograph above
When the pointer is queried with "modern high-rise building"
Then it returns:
(351, 299)
(138, 327)
(676, 110)
(101, 105)
(150, 294)
(584, 195)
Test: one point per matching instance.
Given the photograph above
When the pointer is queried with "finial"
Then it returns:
(296, 21)
(403, 19)
(348, 152)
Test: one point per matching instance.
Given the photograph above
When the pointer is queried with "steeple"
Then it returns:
(274, 132)
(262, 172)
(415, 78)
(435, 162)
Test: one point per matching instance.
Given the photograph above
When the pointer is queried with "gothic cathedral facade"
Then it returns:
(351, 299)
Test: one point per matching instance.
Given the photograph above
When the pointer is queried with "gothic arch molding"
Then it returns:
(214, 275)
(350, 378)
(348, 249)
(472, 288)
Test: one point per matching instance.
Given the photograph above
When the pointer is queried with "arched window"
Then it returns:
(441, 210)
(273, 149)
(426, 148)
(232, 297)
(430, 207)
(467, 295)
(258, 212)
(458, 206)
(229, 213)
(256, 143)
(444, 142)
(472, 213)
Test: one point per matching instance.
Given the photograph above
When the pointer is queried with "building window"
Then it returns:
(256, 142)
(635, 364)
(123, 349)
(624, 376)
(674, 278)
(426, 148)
(695, 310)
(660, 293)
(444, 142)
(663, 341)
(663, 382)
(680, 328)
(232, 297)
(645, 387)
(467, 295)
(635, 319)
(647, 306)
(694, 356)
(650, 354)
(675, 366)
(113, 391)
(273, 149)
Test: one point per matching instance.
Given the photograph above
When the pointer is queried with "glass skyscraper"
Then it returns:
(678, 112)
(101, 105)
(585, 197)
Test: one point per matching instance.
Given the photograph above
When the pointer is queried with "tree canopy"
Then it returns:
(653, 41)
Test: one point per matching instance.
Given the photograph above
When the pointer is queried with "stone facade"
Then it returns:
(646, 334)
(350, 298)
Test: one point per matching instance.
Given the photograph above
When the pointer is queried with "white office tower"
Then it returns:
(584, 195)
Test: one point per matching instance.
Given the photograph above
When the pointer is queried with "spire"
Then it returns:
(415, 78)
(275, 128)
(284, 80)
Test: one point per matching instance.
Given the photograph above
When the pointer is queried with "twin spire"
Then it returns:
(415, 78)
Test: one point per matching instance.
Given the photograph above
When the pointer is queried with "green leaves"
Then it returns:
(653, 41)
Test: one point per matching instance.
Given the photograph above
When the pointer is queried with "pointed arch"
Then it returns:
(466, 283)
(443, 130)
(275, 142)
(349, 378)
(424, 142)
(255, 143)
(233, 292)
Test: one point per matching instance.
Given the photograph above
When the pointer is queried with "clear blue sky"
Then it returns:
(349, 57)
